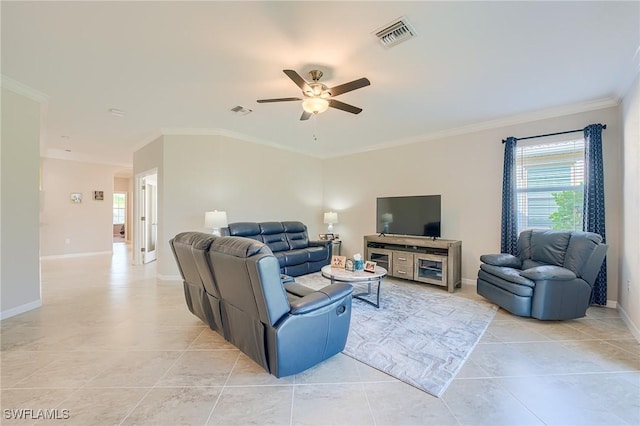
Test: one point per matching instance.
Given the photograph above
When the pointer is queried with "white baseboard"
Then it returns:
(627, 320)
(20, 309)
(468, 281)
(71, 255)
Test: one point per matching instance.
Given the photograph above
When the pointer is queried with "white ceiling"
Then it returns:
(179, 67)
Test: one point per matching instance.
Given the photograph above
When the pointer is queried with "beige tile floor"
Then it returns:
(111, 345)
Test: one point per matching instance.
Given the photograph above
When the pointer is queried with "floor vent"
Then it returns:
(395, 32)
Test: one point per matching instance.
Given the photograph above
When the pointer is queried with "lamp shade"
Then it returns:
(315, 105)
(331, 217)
(215, 219)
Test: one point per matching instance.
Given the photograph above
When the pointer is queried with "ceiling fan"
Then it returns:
(317, 96)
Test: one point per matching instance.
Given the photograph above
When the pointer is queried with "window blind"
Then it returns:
(550, 179)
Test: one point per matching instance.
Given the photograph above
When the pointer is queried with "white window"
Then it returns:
(119, 203)
(550, 182)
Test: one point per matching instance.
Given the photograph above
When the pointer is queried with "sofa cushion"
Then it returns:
(298, 240)
(296, 257)
(505, 284)
(317, 254)
(239, 247)
(528, 263)
(281, 259)
(501, 259)
(273, 235)
(244, 229)
(548, 272)
(549, 247)
(581, 246)
(509, 274)
(296, 235)
(276, 242)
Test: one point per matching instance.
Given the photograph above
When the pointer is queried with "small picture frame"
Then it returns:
(98, 195)
(349, 265)
(330, 237)
(76, 197)
(369, 266)
(338, 261)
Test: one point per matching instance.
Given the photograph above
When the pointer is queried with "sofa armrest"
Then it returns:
(319, 243)
(548, 272)
(321, 298)
(502, 259)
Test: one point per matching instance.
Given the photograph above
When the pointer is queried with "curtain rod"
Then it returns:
(604, 126)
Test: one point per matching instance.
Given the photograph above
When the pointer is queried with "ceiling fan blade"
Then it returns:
(305, 115)
(262, 101)
(347, 87)
(344, 107)
(299, 81)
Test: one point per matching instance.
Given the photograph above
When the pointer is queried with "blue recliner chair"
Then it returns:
(284, 331)
(550, 279)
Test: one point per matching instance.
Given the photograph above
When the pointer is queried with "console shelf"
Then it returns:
(420, 259)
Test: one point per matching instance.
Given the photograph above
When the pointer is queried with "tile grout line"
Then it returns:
(222, 388)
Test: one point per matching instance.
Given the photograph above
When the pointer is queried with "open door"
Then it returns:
(150, 191)
(147, 217)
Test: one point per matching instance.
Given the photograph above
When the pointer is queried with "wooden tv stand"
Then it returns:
(421, 259)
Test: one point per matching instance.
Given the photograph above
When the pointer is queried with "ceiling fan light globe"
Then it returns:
(315, 105)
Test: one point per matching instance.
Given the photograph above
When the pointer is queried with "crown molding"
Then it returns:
(528, 117)
(22, 89)
(60, 154)
(230, 134)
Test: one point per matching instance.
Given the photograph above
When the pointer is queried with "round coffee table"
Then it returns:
(345, 276)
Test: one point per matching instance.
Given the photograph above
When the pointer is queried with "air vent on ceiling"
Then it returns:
(240, 110)
(395, 32)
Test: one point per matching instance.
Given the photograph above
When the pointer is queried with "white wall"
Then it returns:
(629, 298)
(467, 171)
(250, 182)
(68, 228)
(19, 188)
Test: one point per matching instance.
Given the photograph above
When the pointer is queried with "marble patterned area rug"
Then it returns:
(421, 335)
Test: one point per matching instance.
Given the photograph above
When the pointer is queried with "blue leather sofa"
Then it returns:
(234, 285)
(550, 279)
(289, 242)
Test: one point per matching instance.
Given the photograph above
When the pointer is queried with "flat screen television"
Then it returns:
(414, 215)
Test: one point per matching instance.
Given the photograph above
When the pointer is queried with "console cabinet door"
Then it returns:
(403, 265)
(382, 257)
(431, 268)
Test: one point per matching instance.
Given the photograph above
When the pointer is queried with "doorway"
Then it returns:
(146, 217)
(119, 217)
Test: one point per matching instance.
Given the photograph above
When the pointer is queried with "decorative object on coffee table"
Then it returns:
(369, 266)
(349, 265)
(338, 261)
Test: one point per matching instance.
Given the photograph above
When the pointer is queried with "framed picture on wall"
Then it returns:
(98, 195)
(76, 197)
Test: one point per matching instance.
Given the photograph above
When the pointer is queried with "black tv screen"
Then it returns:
(415, 215)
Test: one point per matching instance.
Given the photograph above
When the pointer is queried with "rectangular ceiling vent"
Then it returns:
(395, 32)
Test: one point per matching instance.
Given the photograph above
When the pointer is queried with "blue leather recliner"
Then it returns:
(551, 278)
(285, 328)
